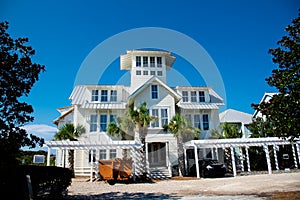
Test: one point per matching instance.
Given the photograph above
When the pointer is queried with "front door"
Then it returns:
(157, 154)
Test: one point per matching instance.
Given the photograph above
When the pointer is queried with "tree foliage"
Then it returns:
(17, 76)
(282, 112)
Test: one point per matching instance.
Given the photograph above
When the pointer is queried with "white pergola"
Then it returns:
(90, 145)
(241, 143)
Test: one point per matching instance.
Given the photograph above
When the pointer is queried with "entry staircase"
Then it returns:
(159, 173)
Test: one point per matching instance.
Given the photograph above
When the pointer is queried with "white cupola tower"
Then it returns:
(144, 64)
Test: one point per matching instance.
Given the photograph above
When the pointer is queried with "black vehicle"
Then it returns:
(210, 168)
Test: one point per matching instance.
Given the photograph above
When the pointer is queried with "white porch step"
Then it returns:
(160, 173)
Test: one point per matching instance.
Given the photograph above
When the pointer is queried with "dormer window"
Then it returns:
(193, 96)
(138, 61)
(145, 61)
(95, 95)
(113, 95)
(159, 61)
(152, 61)
(185, 96)
(201, 96)
(103, 95)
(154, 91)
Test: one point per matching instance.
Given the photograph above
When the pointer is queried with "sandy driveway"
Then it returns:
(246, 187)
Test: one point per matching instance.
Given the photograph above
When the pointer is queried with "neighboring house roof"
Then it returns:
(148, 83)
(235, 116)
(266, 97)
(77, 96)
(64, 111)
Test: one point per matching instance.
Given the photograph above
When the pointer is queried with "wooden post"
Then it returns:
(268, 159)
(196, 161)
(185, 161)
(248, 159)
(275, 157)
(233, 161)
(92, 162)
(48, 156)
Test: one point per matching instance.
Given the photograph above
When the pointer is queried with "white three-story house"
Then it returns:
(95, 106)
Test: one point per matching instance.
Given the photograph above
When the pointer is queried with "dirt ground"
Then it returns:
(263, 186)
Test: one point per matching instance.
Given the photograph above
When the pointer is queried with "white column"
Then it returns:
(248, 159)
(275, 157)
(133, 155)
(147, 159)
(63, 158)
(298, 152)
(196, 161)
(168, 158)
(217, 153)
(185, 161)
(294, 155)
(48, 156)
(242, 159)
(91, 172)
(233, 161)
(268, 159)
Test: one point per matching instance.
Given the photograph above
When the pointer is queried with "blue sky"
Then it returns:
(236, 35)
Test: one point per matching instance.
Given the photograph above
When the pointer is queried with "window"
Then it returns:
(145, 72)
(201, 96)
(95, 95)
(189, 117)
(154, 91)
(103, 95)
(152, 73)
(112, 153)
(138, 72)
(159, 73)
(93, 123)
(155, 114)
(103, 122)
(205, 122)
(164, 117)
(145, 61)
(152, 61)
(90, 155)
(138, 61)
(113, 95)
(193, 96)
(197, 121)
(159, 63)
(185, 96)
(102, 154)
(112, 118)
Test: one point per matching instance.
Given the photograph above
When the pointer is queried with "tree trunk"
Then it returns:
(71, 161)
(180, 150)
(142, 133)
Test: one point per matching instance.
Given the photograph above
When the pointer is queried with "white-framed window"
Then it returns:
(154, 113)
(104, 94)
(145, 61)
(112, 118)
(138, 72)
(201, 96)
(93, 122)
(138, 62)
(205, 122)
(159, 61)
(102, 154)
(93, 151)
(112, 153)
(185, 96)
(197, 121)
(113, 95)
(103, 122)
(145, 73)
(152, 73)
(159, 73)
(193, 96)
(154, 91)
(189, 117)
(164, 116)
(95, 95)
(152, 61)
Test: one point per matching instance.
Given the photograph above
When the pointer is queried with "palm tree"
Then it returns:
(181, 128)
(69, 132)
(141, 118)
